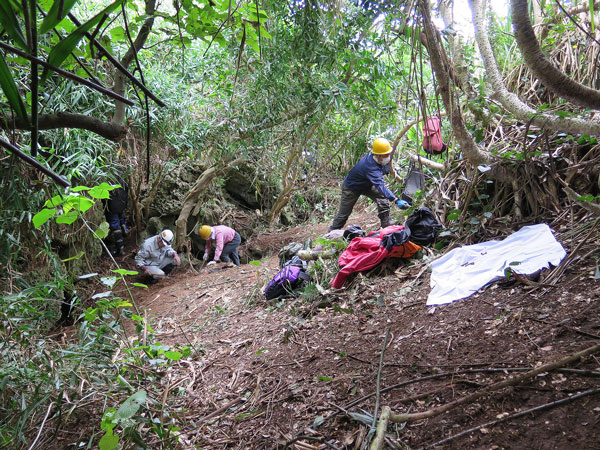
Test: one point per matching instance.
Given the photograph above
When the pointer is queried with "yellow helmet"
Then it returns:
(381, 146)
(205, 231)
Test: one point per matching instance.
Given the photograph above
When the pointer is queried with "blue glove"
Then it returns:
(402, 204)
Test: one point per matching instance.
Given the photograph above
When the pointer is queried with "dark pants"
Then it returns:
(349, 199)
(230, 250)
(118, 225)
(117, 221)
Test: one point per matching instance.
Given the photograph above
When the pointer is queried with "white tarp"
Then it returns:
(464, 270)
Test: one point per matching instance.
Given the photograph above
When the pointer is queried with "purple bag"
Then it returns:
(285, 281)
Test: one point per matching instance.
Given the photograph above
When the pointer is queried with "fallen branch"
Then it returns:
(221, 410)
(560, 269)
(426, 162)
(519, 414)
(313, 255)
(421, 379)
(378, 393)
(400, 418)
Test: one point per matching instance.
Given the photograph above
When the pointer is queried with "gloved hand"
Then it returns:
(205, 257)
(402, 204)
(211, 263)
(176, 259)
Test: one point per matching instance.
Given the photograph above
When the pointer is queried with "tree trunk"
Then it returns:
(442, 70)
(140, 40)
(542, 68)
(510, 101)
(192, 196)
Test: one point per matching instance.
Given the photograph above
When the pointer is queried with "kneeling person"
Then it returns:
(227, 242)
(156, 257)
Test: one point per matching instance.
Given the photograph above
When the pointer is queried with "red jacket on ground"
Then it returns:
(366, 252)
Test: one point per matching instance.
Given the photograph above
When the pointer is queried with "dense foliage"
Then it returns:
(267, 82)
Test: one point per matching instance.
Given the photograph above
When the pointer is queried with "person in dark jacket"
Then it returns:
(114, 212)
(366, 178)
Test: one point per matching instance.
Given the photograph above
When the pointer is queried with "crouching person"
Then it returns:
(226, 241)
(157, 258)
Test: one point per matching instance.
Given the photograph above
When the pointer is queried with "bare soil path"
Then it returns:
(292, 373)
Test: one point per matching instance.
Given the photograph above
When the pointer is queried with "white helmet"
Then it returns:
(166, 236)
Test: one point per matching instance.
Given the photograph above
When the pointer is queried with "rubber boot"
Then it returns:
(119, 244)
(385, 220)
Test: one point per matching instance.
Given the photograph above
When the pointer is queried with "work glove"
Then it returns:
(402, 204)
(205, 257)
(176, 258)
(211, 263)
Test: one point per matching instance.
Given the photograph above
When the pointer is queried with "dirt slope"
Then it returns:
(265, 372)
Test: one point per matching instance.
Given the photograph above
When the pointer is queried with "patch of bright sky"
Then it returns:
(464, 19)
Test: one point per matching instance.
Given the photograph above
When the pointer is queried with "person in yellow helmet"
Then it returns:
(366, 178)
(226, 241)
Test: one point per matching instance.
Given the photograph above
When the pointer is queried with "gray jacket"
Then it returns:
(152, 255)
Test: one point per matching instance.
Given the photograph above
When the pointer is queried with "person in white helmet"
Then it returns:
(156, 257)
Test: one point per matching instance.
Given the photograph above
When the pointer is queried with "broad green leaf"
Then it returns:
(80, 188)
(117, 34)
(78, 203)
(103, 230)
(109, 441)
(67, 218)
(64, 48)
(264, 33)
(131, 405)
(109, 420)
(43, 216)
(9, 20)
(54, 201)
(58, 12)
(174, 356)
(101, 191)
(252, 41)
(10, 90)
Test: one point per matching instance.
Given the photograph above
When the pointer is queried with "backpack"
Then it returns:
(423, 226)
(432, 136)
(288, 252)
(287, 279)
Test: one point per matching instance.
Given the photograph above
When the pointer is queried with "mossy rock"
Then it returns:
(176, 183)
